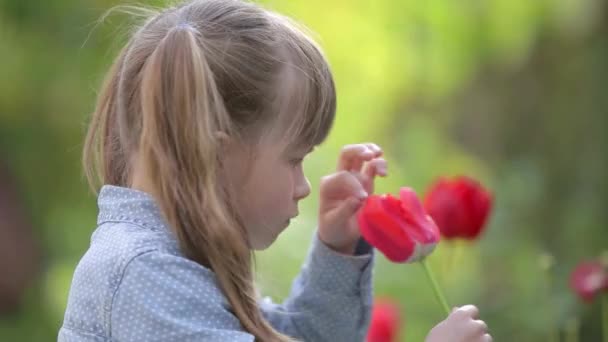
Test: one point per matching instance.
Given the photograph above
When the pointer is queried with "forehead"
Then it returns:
(304, 101)
(277, 142)
(300, 106)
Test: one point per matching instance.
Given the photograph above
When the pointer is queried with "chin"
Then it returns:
(263, 244)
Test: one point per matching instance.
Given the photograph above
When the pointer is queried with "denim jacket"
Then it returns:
(134, 284)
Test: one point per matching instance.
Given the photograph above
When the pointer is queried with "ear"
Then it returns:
(230, 149)
(224, 141)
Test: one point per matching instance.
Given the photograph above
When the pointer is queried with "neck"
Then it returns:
(140, 179)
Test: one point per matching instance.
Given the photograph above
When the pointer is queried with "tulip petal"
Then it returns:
(444, 207)
(460, 207)
(398, 227)
(589, 279)
(383, 231)
(385, 321)
(423, 229)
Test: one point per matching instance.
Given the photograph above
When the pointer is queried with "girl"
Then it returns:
(198, 137)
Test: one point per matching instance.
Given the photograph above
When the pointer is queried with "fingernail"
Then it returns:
(362, 194)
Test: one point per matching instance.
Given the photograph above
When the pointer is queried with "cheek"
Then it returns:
(278, 186)
(275, 194)
(265, 192)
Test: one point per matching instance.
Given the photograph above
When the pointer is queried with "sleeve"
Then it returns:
(331, 298)
(163, 297)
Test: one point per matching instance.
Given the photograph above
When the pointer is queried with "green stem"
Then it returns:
(546, 264)
(605, 316)
(572, 327)
(447, 260)
(438, 293)
(452, 262)
(554, 330)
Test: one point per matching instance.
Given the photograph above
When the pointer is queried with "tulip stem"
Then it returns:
(436, 289)
(605, 316)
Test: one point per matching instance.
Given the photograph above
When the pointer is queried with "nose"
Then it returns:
(302, 189)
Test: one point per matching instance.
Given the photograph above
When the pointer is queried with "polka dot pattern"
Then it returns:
(134, 284)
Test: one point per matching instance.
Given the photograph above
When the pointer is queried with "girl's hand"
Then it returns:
(343, 192)
(461, 325)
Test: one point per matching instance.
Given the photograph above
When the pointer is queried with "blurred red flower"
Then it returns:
(398, 227)
(384, 325)
(589, 279)
(460, 207)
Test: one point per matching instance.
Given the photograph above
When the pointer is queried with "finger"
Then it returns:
(372, 168)
(345, 210)
(352, 157)
(469, 310)
(342, 185)
(375, 167)
(345, 190)
(480, 326)
(486, 338)
(377, 150)
(359, 163)
(366, 181)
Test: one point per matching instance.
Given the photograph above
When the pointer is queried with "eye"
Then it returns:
(296, 162)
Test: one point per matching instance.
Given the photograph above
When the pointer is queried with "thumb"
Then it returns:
(346, 209)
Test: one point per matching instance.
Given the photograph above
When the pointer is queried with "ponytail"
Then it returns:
(103, 158)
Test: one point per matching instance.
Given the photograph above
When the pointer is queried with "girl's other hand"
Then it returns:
(343, 192)
(462, 325)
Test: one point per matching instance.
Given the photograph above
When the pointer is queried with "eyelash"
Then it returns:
(296, 162)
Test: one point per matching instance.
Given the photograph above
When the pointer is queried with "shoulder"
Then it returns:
(114, 248)
(114, 245)
(159, 291)
(134, 257)
(163, 270)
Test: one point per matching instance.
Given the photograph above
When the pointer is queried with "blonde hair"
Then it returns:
(187, 73)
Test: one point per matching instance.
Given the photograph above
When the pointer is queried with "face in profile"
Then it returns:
(267, 182)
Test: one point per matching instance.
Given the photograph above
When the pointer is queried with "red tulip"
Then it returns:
(384, 325)
(460, 207)
(398, 227)
(589, 279)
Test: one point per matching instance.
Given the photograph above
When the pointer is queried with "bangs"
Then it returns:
(306, 96)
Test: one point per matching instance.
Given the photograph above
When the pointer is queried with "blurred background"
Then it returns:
(510, 92)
